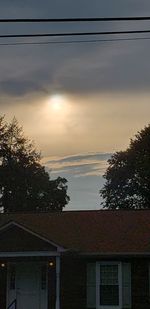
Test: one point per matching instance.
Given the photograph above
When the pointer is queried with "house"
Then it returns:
(75, 260)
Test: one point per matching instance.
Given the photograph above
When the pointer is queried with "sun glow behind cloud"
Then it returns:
(58, 106)
(99, 122)
(55, 111)
(57, 102)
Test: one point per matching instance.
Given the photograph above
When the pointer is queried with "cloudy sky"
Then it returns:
(79, 102)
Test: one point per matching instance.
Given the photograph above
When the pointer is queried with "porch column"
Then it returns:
(57, 282)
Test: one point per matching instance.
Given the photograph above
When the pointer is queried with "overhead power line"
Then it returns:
(64, 34)
(75, 41)
(79, 19)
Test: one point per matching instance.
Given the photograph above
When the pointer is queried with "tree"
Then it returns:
(128, 175)
(24, 183)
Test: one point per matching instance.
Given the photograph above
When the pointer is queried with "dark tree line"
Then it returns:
(127, 177)
(24, 183)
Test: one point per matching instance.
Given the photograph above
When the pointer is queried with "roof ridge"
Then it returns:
(72, 212)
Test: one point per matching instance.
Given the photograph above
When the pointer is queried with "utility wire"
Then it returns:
(82, 19)
(75, 41)
(63, 34)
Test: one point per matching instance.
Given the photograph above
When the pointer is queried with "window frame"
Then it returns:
(98, 264)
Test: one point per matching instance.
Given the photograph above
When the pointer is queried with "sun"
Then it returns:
(57, 107)
(57, 102)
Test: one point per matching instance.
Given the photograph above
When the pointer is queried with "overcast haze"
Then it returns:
(103, 89)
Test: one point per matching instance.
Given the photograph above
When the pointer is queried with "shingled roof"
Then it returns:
(91, 232)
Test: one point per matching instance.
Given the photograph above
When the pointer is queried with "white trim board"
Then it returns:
(29, 254)
(114, 254)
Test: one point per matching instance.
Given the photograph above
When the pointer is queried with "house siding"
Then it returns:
(73, 283)
(140, 284)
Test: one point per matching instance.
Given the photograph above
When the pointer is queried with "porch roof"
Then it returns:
(91, 232)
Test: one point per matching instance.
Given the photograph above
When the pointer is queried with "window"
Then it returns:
(109, 285)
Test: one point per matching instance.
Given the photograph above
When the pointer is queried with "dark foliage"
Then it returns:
(128, 175)
(24, 183)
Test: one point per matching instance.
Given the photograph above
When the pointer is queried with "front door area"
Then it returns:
(28, 286)
(27, 283)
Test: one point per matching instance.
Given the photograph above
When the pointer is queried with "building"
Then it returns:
(75, 260)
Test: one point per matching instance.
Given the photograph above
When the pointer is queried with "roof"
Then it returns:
(91, 232)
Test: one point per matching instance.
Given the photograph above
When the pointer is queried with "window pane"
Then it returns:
(109, 285)
(109, 274)
(109, 295)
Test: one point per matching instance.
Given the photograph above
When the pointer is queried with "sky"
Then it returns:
(79, 102)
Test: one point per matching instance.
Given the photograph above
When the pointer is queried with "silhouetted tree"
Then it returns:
(24, 183)
(128, 175)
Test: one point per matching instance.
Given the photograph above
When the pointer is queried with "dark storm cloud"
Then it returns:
(14, 87)
(67, 7)
(76, 68)
(101, 69)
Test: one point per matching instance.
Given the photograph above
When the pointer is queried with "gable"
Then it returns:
(16, 239)
(99, 232)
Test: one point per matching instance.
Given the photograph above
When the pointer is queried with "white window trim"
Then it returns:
(119, 264)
